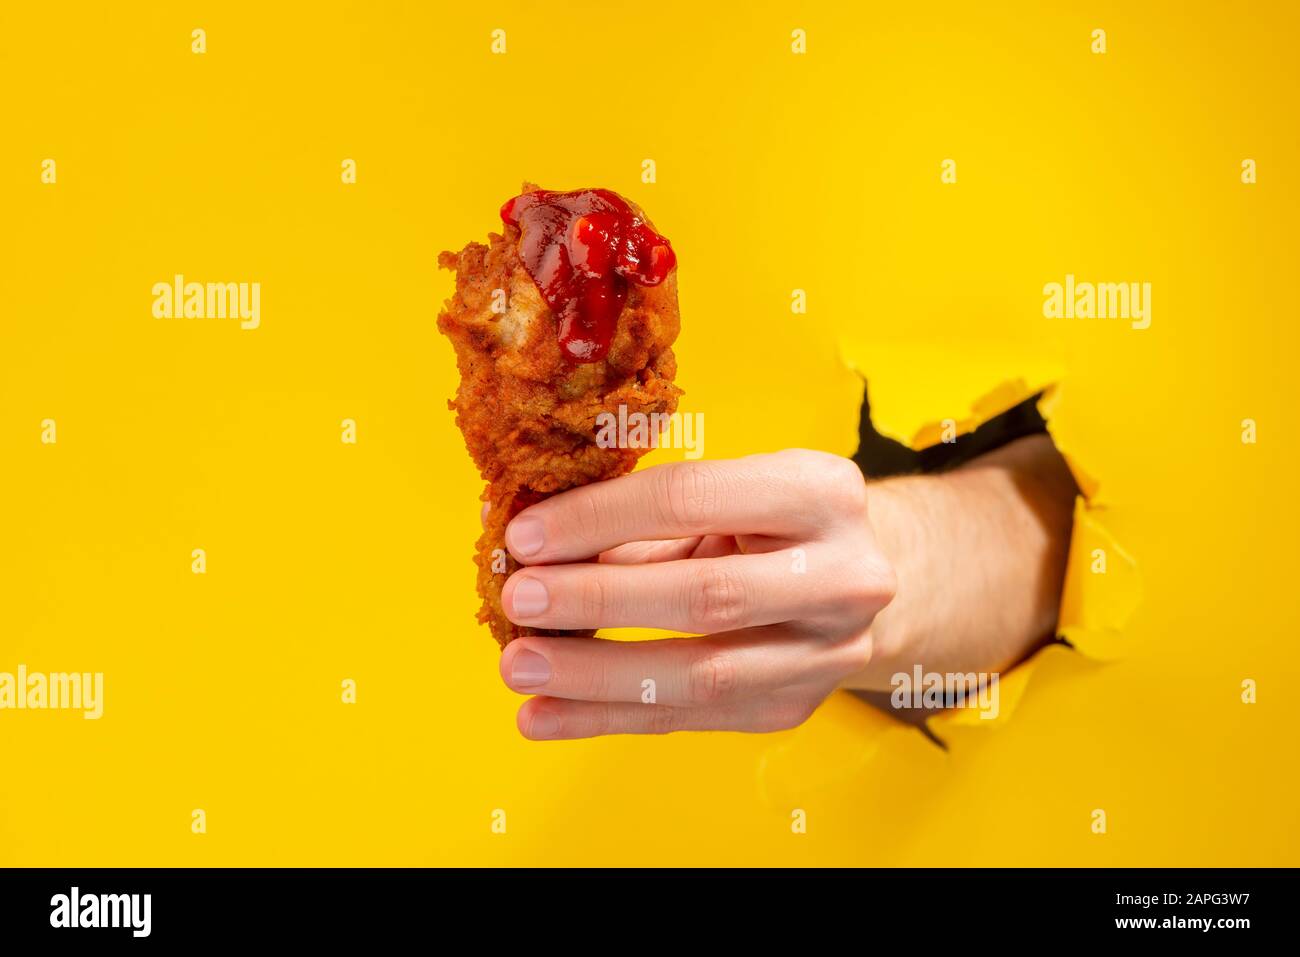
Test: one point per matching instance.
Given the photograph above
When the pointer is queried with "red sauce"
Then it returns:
(582, 249)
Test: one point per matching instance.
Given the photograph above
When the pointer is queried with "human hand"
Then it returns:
(769, 557)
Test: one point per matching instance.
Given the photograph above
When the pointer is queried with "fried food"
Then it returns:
(570, 312)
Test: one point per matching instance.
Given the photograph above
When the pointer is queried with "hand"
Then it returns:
(770, 557)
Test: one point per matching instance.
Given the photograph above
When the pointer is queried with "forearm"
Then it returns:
(979, 554)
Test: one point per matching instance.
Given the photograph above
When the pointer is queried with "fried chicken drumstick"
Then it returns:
(569, 313)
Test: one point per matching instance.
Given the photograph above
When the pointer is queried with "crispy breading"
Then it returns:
(527, 412)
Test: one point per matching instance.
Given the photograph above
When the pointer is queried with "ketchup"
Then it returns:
(582, 249)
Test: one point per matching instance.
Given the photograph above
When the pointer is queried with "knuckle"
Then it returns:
(874, 581)
(800, 465)
(664, 719)
(852, 655)
(712, 678)
(588, 517)
(593, 598)
(716, 601)
(865, 590)
(884, 583)
(844, 484)
(860, 651)
(806, 459)
(891, 650)
(784, 715)
(837, 482)
(600, 719)
(691, 495)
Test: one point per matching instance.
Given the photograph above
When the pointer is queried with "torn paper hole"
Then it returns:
(1102, 589)
(1102, 586)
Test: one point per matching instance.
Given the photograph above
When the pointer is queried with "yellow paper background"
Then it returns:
(775, 172)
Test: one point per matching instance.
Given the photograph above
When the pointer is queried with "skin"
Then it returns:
(800, 577)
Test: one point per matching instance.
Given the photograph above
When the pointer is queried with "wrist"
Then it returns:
(908, 516)
(979, 557)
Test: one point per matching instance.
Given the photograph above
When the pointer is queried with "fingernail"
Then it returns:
(524, 536)
(543, 725)
(529, 669)
(529, 598)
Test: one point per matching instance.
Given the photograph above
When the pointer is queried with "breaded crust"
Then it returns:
(528, 414)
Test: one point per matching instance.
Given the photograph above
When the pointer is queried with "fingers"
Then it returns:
(794, 493)
(715, 546)
(764, 679)
(697, 546)
(640, 553)
(698, 596)
(552, 719)
(715, 672)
